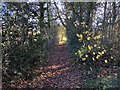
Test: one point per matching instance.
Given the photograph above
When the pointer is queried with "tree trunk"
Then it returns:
(89, 14)
(104, 18)
(114, 12)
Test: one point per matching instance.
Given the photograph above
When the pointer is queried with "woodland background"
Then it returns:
(90, 31)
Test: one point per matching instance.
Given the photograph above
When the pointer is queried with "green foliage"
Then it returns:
(18, 61)
(91, 51)
(103, 82)
(26, 40)
(24, 44)
(72, 40)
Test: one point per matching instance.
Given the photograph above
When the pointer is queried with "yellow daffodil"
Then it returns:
(111, 57)
(95, 45)
(89, 47)
(99, 53)
(34, 33)
(10, 32)
(75, 53)
(38, 32)
(86, 56)
(88, 38)
(80, 40)
(97, 37)
(29, 33)
(81, 36)
(99, 47)
(86, 32)
(83, 59)
(93, 59)
(93, 53)
(106, 61)
(80, 53)
(97, 56)
(77, 35)
(102, 52)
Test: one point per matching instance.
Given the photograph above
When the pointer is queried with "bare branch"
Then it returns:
(59, 15)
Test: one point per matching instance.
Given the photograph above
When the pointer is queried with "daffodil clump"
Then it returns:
(91, 50)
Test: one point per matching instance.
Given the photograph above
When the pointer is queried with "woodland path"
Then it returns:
(60, 71)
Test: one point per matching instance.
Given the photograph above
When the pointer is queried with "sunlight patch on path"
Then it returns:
(59, 71)
(42, 69)
(61, 35)
(50, 74)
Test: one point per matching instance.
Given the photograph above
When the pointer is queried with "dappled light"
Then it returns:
(60, 45)
(61, 35)
(51, 74)
(42, 69)
(45, 74)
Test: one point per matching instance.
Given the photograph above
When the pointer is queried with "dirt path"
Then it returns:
(60, 71)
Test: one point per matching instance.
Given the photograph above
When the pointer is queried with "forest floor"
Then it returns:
(60, 72)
